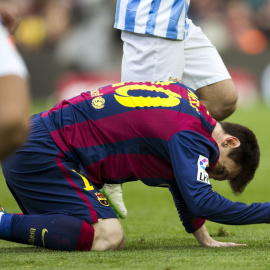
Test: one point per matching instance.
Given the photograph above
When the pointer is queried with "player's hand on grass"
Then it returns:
(206, 240)
(214, 243)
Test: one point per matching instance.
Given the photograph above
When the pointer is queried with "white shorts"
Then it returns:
(151, 58)
(194, 61)
(11, 62)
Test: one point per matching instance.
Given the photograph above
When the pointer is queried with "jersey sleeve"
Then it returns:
(190, 222)
(189, 154)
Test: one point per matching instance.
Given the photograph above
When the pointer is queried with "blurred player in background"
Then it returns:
(162, 43)
(99, 137)
(14, 93)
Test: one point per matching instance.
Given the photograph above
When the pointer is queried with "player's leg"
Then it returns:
(205, 72)
(60, 220)
(59, 203)
(219, 98)
(109, 235)
(58, 232)
(62, 232)
(14, 97)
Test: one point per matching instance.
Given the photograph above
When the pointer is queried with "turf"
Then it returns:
(155, 239)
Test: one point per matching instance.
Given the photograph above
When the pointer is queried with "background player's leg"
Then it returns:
(205, 72)
(219, 98)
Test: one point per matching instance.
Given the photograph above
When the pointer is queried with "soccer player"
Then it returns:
(99, 137)
(161, 43)
(14, 93)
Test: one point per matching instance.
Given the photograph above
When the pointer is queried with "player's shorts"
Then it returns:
(11, 62)
(203, 64)
(45, 181)
(149, 58)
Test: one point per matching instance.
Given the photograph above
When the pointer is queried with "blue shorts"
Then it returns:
(43, 180)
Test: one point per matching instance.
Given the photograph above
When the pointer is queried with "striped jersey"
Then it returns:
(159, 133)
(163, 18)
(135, 124)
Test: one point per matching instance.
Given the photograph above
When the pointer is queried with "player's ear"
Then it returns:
(231, 141)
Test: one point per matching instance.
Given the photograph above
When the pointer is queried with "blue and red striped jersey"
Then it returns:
(123, 132)
(159, 133)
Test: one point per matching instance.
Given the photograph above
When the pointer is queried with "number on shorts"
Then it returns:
(88, 187)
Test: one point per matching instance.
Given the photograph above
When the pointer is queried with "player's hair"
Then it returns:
(247, 155)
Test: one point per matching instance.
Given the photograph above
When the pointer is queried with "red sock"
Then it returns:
(86, 237)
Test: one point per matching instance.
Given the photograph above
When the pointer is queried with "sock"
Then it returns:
(58, 232)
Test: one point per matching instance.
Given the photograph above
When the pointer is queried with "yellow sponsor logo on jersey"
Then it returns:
(122, 95)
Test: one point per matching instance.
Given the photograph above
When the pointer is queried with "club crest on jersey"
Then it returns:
(102, 199)
(202, 174)
(98, 102)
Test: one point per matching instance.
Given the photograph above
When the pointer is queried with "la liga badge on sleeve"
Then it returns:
(202, 174)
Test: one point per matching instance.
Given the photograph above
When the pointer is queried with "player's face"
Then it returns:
(226, 168)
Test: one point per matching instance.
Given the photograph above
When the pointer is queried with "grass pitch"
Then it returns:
(155, 238)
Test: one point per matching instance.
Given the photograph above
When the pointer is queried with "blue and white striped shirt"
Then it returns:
(164, 18)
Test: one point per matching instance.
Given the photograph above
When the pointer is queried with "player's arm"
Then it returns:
(14, 97)
(14, 113)
(190, 222)
(195, 225)
(206, 240)
(198, 195)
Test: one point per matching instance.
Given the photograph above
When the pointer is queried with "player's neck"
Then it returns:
(218, 133)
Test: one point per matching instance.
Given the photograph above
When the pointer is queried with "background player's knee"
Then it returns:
(109, 235)
(220, 98)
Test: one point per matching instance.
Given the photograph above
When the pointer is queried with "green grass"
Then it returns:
(155, 238)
